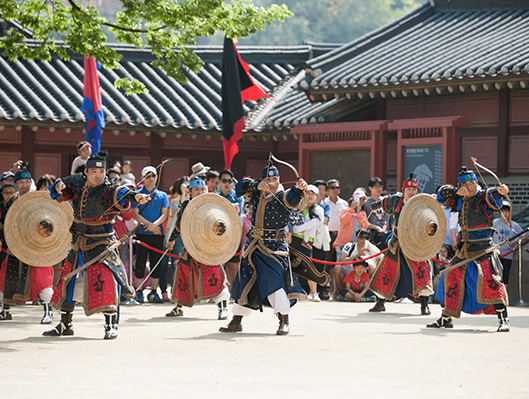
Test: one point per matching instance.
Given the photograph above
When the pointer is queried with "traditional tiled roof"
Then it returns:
(440, 42)
(52, 91)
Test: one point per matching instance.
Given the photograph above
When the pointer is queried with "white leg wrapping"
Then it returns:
(223, 296)
(239, 310)
(280, 302)
(45, 294)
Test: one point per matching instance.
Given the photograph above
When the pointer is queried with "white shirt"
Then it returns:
(336, 209)
(504, 231)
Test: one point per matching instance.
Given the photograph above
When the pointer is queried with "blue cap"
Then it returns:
(21, 175)
(197, 183)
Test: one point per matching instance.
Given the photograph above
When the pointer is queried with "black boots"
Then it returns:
(425, 310)
(379, 306)
(283, 324)
(233, 326)
(5, 314)
(175, 312)
(65, 327)
(48, 315)
(505, 326)
(223, 310)
(443, 321)
(111, 325)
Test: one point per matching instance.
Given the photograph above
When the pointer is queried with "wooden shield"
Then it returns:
(37, 229)
(211, 229)
(421, 228)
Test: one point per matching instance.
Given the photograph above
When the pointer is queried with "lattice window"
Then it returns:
(340, 136)
(423, 132)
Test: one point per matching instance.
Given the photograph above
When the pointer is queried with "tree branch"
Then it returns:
(133, 30)
(79, 9)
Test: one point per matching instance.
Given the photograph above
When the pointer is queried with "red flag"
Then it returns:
(93, 104)
(237, 87)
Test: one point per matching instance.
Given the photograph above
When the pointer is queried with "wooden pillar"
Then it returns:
(504, 108)
(156, 147)
(380, 155)
(28, 137)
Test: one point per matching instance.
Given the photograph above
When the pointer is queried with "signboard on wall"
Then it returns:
(426, 164)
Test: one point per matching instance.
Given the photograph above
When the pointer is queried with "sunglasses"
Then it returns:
(227, 181)
(150, 177)
(115, 179)
(334, 187)
(364, 237)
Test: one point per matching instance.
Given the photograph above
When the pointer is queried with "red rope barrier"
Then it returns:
(161, 252)
(324, 262)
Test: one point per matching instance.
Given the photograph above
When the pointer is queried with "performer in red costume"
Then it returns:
(189, 273)
(19, 282)
(476, 286)
(93, 200)
(397, 275)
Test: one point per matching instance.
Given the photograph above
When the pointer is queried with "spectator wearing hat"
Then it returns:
(304, 230)
(336, 204)
(377, 218)
(7, 177)
(359, 247)
(357, 282)
(503, 230)
(199, 170)
(151, 215)
(84, 149)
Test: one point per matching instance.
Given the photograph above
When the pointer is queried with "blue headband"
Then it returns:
(197, 183)
(22, 174)
(466, 177)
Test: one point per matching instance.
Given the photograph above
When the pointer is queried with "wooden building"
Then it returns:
(445, 81)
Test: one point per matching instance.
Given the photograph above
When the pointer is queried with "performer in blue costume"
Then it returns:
(264, 276)
(475, 287)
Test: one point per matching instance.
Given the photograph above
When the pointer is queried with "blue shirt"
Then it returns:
(326, 209)
(238, 202)
(152, 209)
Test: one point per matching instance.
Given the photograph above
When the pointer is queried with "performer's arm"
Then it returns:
(294, 194)
(447, 195)
(246, 187)
(494, 196)
(387, 203)
(63, 189)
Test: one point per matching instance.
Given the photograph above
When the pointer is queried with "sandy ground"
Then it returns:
(333, 350)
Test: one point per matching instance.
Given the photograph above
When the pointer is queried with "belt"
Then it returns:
(268, 234)
(101, 230)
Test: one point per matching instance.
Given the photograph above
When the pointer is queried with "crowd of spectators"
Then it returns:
(328, 228)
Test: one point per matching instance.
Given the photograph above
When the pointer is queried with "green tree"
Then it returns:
(331, 21)
(167, 27)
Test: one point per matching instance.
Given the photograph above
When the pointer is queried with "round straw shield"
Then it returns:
(211, 229)
(421, 228)
(37, 229)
